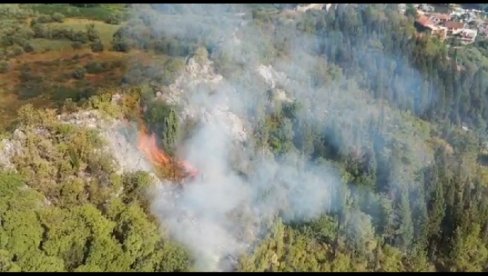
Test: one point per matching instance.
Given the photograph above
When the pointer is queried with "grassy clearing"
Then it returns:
(101, 12)
(42, 44)
(53, 61)
(105, 30)
(55, 68)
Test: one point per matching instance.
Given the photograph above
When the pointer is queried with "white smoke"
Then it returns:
(240, 188)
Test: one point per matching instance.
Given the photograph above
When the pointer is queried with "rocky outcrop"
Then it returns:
(190, 91)
(10, 148)
(121, 137)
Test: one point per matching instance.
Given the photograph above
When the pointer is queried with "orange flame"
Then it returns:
(148, 145)
(192, 171)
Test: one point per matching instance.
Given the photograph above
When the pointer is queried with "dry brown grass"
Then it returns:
(55, 67)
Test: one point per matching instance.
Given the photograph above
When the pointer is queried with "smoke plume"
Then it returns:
(241, 187)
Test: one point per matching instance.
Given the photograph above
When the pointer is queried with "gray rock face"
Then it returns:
(190, 90)
(121, 138)
(8, 149)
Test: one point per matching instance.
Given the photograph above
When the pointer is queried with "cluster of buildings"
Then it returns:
(305, 7)
(460, 24)
(447, 21)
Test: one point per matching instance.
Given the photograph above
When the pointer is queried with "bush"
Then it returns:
(4, 66)
(41, 31)
(79, 73)
(76, 45)
(201, 55)
(92, 33)
(61, 93)
(58, 17)
(31, 85)
(17, 50)
(113, 19)
(119, 42)
(162, 119)
(80, 37)
(95, 67)
(63, 34)
(44, 19)
(28, 48)
(121, 45)
(97, 46)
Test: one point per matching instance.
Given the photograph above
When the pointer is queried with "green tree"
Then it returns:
(92, 33)
(79, 73)
(391, 260)
(468, 252)
(405, 230)
(138, 236)
(67, 236)
(163, 121)
(342, 263)
(97, 46)
(6, 263)
(37, 261)
(411, 11)
(58, 17)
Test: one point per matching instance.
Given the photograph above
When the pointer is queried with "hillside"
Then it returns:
(239, 138)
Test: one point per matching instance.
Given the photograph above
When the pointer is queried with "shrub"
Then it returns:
(44, 19)
(119, 40)
(76, 45)
(31, 89)
(92, 33)
(79, 73)
(80, 37)
(201, 55)
(61, 93)
(113, 19)
(58, 17)
(63, 34)
(163, 121)
(95, 67)
(41, 31)
(97, 46)
(121, 45)
(4, 66)
(28, 48)
(17, 50)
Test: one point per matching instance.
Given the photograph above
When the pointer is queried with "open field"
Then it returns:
(105, 30)
(101, 12)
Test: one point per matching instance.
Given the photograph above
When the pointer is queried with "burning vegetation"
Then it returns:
(168, 167)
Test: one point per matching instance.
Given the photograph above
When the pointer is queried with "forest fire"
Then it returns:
(177, 169)
(189, 169)
(148, 145)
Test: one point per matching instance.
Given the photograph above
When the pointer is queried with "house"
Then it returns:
(453, 27)
(426, 7)
(304, 8)
(402, 8)
(483, 29)
(440, 18)
(441, 32)
(424, 23)
(468, 35)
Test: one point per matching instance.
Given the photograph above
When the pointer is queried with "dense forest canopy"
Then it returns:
(359, 143)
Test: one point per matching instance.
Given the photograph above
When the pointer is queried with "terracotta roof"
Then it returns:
(424, 21)
(442, 16)
(454, 25)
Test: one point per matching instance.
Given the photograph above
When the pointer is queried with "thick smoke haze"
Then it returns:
(242, 188)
